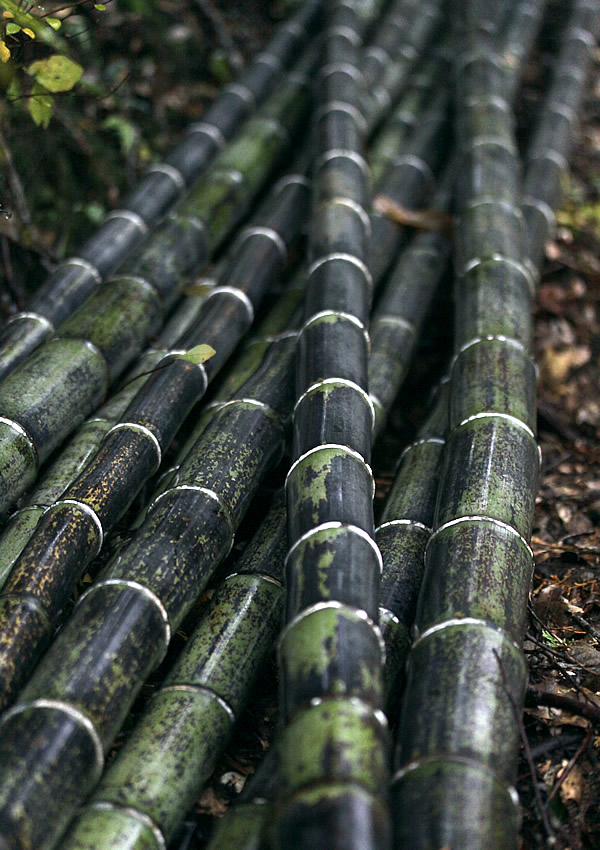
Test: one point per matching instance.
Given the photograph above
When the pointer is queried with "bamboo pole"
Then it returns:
(78, 277)
(177, 741)
(82, 690)
(63, 381)
(478, 563)
(72, 529)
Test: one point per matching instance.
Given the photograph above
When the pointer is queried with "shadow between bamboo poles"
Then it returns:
(64, 542)
(122, 230)
(63, 381)
(491, 601)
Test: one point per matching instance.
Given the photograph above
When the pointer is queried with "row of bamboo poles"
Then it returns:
(398, 645)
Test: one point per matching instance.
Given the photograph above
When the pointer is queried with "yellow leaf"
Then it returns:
(6, 14)
(198, 354)
(29, 32)
(4, 52)
(56, 73)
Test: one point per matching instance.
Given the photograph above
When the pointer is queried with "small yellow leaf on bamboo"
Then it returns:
(4, 52)
(198, 354)
(29, 32)
(7, 14)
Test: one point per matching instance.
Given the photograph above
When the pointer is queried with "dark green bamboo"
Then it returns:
(173, 749)
(54, 390)
(84, 444)
(71, 531)
(76, 278)
(550, 147)
(466, 663)
(86, 683)
(402, 536)
(332, 748)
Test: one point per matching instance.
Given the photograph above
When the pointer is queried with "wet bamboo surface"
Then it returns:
(344, 332)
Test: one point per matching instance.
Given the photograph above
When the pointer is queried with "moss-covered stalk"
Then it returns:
(332, 747)
(81, 691)
(550, 147)
(45, 398)
(83, 445)
(123, 229)
(457, 762)
(173, 749)
(72, 529)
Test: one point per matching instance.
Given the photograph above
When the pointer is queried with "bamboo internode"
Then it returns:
(322, 281)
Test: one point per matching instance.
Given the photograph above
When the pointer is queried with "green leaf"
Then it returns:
(198, 354)
(40, 105)
(55, 23)
(57, 73)
(128, 132)
(101, 7)
(12, 28)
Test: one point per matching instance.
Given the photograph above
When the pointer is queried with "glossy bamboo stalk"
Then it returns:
(82, 690)
(77, 278)
(63, 381)
(174, 747)
(550, 147)
(402, 536)
(332, 747)
(72, 530)
(471, 612)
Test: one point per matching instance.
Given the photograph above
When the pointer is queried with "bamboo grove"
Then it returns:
(280, 233)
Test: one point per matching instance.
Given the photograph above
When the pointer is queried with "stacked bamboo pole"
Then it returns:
(334, 685)
(478, 562)
(78, 277)
(73, 527)
(45, 398)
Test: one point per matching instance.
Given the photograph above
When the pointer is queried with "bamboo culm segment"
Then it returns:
(402, 537)
(552, 141)
(76, 278)
(478, 564)
(333, 739)
(121, 628)
(156, 271)
(67, 536)
(173, 749)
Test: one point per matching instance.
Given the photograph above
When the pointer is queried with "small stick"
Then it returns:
(430, 220)
(570, 765)
(536, 697)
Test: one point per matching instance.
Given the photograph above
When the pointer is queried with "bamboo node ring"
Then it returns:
(142, 429)
(459, 622)
(84, 264)
(484, 519)
(338, 382)
(75, 714)
(209, 130)
(88, 511)
(412, 523)
(237, 293)
(130, 216)
(170, 171)
(186, 687)
(269, 233)
(336, 525)
(348, 258)
(346, 153)
(243, 92)
(145, 591)
(34, 317)
(136, 814)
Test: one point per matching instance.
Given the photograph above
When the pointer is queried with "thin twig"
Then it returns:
(584, 744)
(14, 180)
(536, 697)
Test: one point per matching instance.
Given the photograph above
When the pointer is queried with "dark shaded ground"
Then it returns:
(153, 67)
